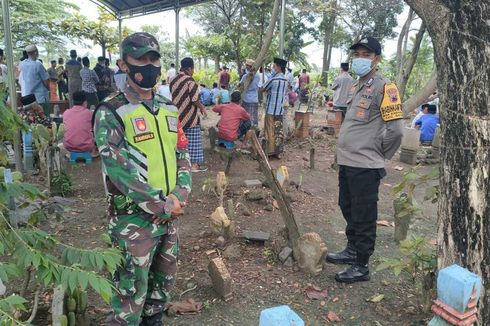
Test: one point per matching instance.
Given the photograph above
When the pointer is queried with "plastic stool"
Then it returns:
(226, 144)
(86, 156)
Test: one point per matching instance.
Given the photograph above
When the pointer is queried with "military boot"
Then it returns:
(356, 273)
(346, 256)
(155, 320)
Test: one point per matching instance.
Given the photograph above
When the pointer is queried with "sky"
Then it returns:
(187, 26)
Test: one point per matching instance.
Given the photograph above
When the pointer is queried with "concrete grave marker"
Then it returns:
(282, 175)
(220, 276)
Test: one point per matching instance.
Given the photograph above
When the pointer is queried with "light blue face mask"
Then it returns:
(361, 66)
(273, 71)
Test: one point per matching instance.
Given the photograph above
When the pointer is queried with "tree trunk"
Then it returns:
(259, 61)
(216, 64)
(103, 46)
(421, 96)
(407, 67)
(461, 39)
(399, 49)
(328, 26)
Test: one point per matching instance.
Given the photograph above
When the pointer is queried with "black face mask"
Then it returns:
(144, 76)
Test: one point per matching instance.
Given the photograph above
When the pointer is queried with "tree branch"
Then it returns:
(421, 96)
(408, 66)
(399, 53)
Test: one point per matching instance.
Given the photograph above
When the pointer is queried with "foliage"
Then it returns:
(50, 261)
(167, 47)
(10, 123)
(411, 180)
(418, 258)
(208, 77)
(61, 185)
(35, 22)
(98, 31)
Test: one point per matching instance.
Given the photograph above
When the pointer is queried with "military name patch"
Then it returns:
(143, 137)
(391, 105)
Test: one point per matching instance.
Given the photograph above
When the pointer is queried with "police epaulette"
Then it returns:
(116, 100)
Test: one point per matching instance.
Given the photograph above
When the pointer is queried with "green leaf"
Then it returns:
(73, 280)
(83, 280)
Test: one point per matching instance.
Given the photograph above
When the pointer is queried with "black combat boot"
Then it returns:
(356, 273)
(346, 256)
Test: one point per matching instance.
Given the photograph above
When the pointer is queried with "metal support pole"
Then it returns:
(119, 19)
(281, 29)
(11, 79)
(177, 61)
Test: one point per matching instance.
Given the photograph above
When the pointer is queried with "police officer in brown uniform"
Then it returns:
(370, 134)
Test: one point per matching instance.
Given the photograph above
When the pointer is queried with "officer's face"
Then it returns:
(362, 52)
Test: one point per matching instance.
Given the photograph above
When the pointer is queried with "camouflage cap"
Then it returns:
(138, 44)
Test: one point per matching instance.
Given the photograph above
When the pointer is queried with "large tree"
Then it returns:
(460, 33)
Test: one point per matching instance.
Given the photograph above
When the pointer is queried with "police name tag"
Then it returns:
(391, 106)
(172, 123)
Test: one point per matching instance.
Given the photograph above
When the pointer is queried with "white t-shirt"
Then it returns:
(171, 74)
(164, 90)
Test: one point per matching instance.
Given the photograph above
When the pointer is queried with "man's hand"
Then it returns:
(204, 112)
(176, 212)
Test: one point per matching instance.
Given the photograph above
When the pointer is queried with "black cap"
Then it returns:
(186, 63)
(79, 97)
(369, 43)
(280, 62)
(28, 99)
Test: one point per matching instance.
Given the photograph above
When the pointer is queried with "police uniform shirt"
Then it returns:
(373, 125)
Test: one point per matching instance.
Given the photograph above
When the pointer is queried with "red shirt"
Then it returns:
(231, 116)
(304, 80)
(224, 79)
(78, 129)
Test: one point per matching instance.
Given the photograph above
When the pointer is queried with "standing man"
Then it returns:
(371, 133)
(171, 73)
(89, 82)
(3, 74)
(303, 81)
(250, 100)
(185, 95)
(73, 68)
(53, 81)
(276, 88)
(104, 84)
(146, 171)
(341, 87)
(60, 71)
(35, 78)
(224, 78)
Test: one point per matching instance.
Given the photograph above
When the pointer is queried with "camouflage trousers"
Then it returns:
(144, 281)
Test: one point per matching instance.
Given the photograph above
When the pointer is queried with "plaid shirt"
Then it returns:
(276, 88)
(184, 93)
(89, 79)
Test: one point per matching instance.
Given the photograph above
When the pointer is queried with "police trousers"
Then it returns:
(358, 200)
(147, 275)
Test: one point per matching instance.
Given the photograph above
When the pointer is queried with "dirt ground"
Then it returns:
(260, 281)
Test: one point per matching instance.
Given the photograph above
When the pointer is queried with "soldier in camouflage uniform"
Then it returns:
(146, 169)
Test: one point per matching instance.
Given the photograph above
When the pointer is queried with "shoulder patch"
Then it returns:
(117, 100)
(391, 105)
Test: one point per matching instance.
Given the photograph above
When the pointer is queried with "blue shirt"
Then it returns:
(225, 96)
(276, 88)
(33, 74)
(428, 124)
(206, 96)
(215, 94)
(252, 93)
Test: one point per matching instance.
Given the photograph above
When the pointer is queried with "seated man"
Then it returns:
(32, 112)
(423, 110)
(234, 122)
(428, 124)
(164, 90)
(224, 95)
(78, 136)
(205, 96)
(215, 93)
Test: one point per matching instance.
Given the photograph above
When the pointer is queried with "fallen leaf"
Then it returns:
(398, 168)
(335, 299)
(341, 232)
(383, 223)
(275, 204)
(314, 292)
(186, 307)
(333, 317)
(388, 185)
(376, 298)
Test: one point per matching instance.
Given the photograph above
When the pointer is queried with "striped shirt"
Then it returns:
(276, 88)
(184, 93)
(89, 79)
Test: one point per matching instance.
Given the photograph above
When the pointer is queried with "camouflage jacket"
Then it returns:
(128, 194)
